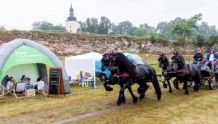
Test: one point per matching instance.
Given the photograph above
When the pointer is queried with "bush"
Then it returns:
(180, 41)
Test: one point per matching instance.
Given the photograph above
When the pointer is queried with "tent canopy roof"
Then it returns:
(87, 56)
(7, 50)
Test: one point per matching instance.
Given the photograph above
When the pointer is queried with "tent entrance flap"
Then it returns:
(30, 70)
(33, 71)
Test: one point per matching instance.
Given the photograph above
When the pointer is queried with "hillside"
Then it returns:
(73, 44)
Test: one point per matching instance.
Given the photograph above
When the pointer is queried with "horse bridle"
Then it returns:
(106, 59)
(161, 58)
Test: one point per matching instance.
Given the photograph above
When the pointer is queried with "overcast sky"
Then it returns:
(20, 14)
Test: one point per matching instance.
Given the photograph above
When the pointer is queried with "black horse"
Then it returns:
(187, 72)
(115, 79)
(130, 73)
(168, 71)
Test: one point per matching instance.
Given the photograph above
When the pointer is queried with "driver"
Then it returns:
(198, 57)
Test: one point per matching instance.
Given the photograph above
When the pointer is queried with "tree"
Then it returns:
(125, 27)
(92, 25)
(46, 26)
(200, 41)
(114, 29)
(83, 26)
(140, 32)
(148, 29)
(2, 28)
(104, 25)
(165, 28)
(184, 28)
(206, 30)
(212, 40)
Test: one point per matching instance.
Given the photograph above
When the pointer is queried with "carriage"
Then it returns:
(207, 76)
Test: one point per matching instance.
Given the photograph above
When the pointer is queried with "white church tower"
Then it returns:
(71, 24)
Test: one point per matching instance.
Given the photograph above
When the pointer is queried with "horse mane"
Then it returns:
(124, 64)
(181, 62)
(164, 61)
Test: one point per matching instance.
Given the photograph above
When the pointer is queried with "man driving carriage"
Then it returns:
(211, 56)
(198, 57)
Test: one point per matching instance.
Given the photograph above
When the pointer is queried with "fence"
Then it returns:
(148, 57)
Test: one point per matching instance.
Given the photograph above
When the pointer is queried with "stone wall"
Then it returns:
(73, 44)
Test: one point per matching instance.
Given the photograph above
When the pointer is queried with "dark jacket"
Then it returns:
(198, 56)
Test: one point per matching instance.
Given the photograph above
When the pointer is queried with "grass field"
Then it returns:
(85, 105)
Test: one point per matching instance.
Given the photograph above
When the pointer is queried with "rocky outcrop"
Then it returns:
(72, 44)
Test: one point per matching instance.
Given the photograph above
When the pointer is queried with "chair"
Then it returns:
(76, 80)
(3, 87)
(40, 87)
(45, 88)
(20, 89)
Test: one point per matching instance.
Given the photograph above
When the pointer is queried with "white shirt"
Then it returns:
(211, 57)
(10, 84)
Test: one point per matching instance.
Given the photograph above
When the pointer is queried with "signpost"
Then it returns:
(56, 84)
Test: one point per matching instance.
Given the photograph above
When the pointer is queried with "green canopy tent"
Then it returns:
(25, 57)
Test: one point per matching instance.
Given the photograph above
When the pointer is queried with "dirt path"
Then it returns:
(88, 115)
(26, 117)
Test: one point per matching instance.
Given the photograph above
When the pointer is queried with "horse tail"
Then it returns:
(156, 84)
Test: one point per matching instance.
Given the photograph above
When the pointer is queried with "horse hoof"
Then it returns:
(165, 85)
(135, 100)
(185, 93)
(195, 89)
(109, 89)
(118, 103)
(170, 91)
(123, 101)
(177, 88)
(142, 97)
(139, 90)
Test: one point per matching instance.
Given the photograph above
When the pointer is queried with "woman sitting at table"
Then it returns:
(11, 83)
(36, 86)
(81, 78)
(23, 78)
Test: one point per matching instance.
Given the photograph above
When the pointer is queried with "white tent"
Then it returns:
(84, 62)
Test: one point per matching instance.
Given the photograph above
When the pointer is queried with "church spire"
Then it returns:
(71, 17)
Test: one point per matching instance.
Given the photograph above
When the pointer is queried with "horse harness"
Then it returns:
(125, 74)
(186, 69)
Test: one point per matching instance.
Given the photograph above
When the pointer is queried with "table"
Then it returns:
(30, 92)
(88, 82)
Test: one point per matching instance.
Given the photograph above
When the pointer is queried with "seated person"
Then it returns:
(28, 80)
(81, 78)
(38, 80)
(89, 77)
(23, 78)
(198, 57)
(211, 56)
(11, 83)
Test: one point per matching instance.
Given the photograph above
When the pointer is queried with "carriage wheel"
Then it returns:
(213, 82)
(189, 83)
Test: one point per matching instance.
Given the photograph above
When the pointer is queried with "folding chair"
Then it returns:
(20, 89)
(40, 87)
(3, 87)
(45, 88)
(76, 80)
